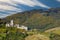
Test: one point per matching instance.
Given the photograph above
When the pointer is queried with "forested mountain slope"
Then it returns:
(37, 19)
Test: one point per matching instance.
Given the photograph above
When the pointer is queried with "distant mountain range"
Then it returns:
(9, 7)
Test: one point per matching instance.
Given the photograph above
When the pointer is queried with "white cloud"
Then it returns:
(30, 3)
(3, 15)
(26, 2)
(7, 7)
(58, 0)
(38, 3)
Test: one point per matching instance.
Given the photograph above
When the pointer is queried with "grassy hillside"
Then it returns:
(36, 19)
(54, 30)
(37, 37)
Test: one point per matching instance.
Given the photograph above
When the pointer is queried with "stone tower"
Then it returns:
(12, 23)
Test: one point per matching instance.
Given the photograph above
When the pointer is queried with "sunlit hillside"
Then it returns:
(54, 30)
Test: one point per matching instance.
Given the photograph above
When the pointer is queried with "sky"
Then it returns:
(9, 7)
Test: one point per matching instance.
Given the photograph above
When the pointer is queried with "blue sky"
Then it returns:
(9, 7)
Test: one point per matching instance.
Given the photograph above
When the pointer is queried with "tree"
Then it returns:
(54, 36)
